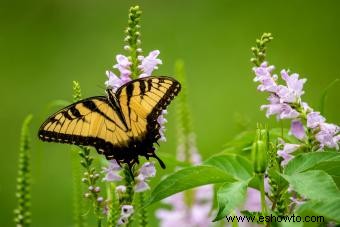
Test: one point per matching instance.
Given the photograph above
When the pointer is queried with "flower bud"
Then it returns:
(127, 39)
(259, 150)
(87, 195)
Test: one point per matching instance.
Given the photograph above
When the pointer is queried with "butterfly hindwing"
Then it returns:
(143, 100)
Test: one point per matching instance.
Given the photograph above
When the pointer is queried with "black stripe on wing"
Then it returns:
(74, 116)
(173, 90)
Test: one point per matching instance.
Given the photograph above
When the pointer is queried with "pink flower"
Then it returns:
(147, 171)
(297, 129)
(263, 72)
(122, 221)
(263, 75)
(293, 91)
(314, 119)
(113, 82)
(127, 210)
(123, 65)
(161, 121)
(149, 63)
(327, 136)
(281, 110)
(112, 171)
(285, 153)
(141, 185)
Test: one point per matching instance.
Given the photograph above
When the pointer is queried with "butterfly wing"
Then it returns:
(91, 122)
(119, 132)
(142, 102)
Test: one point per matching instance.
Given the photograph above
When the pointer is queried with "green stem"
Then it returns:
(23, 194)
(79, 218)
(263, 195)
(143, 217)
(114, 206)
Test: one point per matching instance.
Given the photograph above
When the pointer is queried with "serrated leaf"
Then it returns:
(314, 185)
(330, 209)
(235, 165)
(229, 196)
(306, 161)
(188, 178)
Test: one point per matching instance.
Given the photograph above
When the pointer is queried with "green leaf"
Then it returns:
(330, 209)
(188, 178)
(330, 167)
(229, 196)
(306, 161)
(235, 165)
(314, 185)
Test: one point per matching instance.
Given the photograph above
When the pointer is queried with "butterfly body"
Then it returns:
(122, 125)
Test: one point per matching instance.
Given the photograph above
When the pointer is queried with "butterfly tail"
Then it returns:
(161, 163)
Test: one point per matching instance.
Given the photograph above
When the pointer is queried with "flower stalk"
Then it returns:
(143, 215)
(90, 176)
(133, 39)
(23, 194)
(79, 217)
(307, 125)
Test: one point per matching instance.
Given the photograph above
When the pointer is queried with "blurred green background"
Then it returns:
(44, 45)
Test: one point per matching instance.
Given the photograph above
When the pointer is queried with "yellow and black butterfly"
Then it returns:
(121, 125)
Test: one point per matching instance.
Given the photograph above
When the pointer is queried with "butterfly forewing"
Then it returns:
(89, 122)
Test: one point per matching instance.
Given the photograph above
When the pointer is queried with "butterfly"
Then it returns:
(121, 125)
